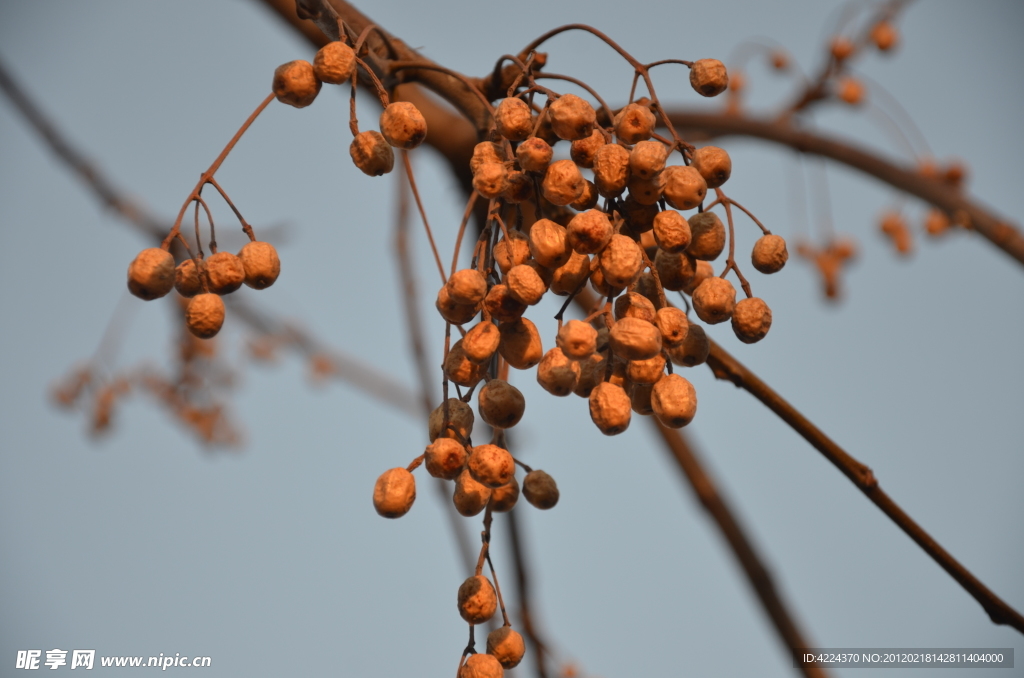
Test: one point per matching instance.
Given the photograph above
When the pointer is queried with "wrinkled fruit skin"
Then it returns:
(296, 84)
(394, 493)
(151, 274)
(507, 646)
(481, 666)
(540, 489)
(477, 599)
(261, 263)
(204, 315)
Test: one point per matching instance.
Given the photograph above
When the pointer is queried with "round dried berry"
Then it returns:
(635, 339)
(714, 300)
(646, 371)
(640, 398)
(567, 278)
(534, 155)
(671, 231)
(591, 374)
(394, 493)
(673, 325)
(520, 344)
(583, 151)
(461, 369)
(571, 117)
(639, 217)
(402, 125)
(500, 304)
(470, 497)
(589, 232)
(851, 91)
(751, 320)
(491, 465)
(296, 84)
(683, 187)
(481, 342)
(634, 123)
(557, 374)
(647, 160)
(674, 401)
(260, 263)
(540, 489)
(884, 35)
(621, 261)
(485, 152)
(708, 77)
(611, 170)
(501, 404)
(634, 305)
(577, 340)
(490, 180)
(518, 187)
(549, 243)
(151, 274)
(204, 315)
(609, 409)
(335, 63)
(504, 498)
(645, 191)
(714, 164)
(459, 420)
(842, 48)
(186, 280)
(511, 251)
(224, 273)
(514, 119)
(456, 314)
(707, 236)
(769, 254)
(694, 349)
(467, 286)
(481, 666)
(600, 286)
(371, 153)
(507, 646)
(703, 272)
(525, 284)
(445, 458)
(674, 270)
(562, 183)
(588, 198)
(477, 601)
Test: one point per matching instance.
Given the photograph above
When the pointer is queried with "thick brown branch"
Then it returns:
(727, 367)
(957, 204)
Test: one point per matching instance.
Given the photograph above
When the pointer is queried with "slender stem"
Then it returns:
(423, 214)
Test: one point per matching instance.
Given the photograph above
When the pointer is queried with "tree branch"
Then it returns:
(727, 367)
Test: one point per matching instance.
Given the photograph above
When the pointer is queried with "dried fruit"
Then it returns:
(611, 170)
(518, 187)
(335, 63)
(525, 284)
(707, 236)
(640, 398)
(671, 231)
(884, 35)
(481, 342)
(568, 278)
(481, 666)
(645, 191)
(151, 274)
(296, 84)
(634, 305)
(394, 493)
(751, 320)
(490, 180)
(557, 374)
(647, 159)
(549, 243)
(714, 300)
(571, 117)
(610, 409)
(702, 273)
(674, 401)
(769, 254)
(520, 344)
(507, 646)
(540, 489)
(456, 314)
(470, 497)
(714, 164)
(260, 263)
(583, 151)
(675, 271)
(589, 232)
(592, 371)
(634, 123)
(459, 424)
(534, 155)
(445, 458)
(646, 371)
(514, 119)
(683, 187)
(708, 77)
(467, 286)
(635, 339)
(501, 404)
(500, 304)
(461, 369)
(186, 280)
(639, 217)
(224, 273)
(491, 465)
(621, 261)
(504, 498)
(477, 601)
(371, 153)
(485, 152)
(588, 198)
(673, 325)
(511, 251)
(694, 349)
(204, 315)
(577, 340)
(562, 183)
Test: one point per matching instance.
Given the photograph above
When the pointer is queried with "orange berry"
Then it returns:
(714, 300)
(296, 84)
(751, 320)
(394, 493)
(204, 315)
(769, 254)
(477, 600)
(714, 164)
(491, 465)
(507, 646)
(260, 263)
(514, 119)
(540, 489)
(707, 236)
(470, 497)
(445, 458)
(571, 117)
(683, 187)
(151, 274)
(501, 404)
(371, 153)
(674, 401)
(708, 77)
(335, 63)
(610, 409)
